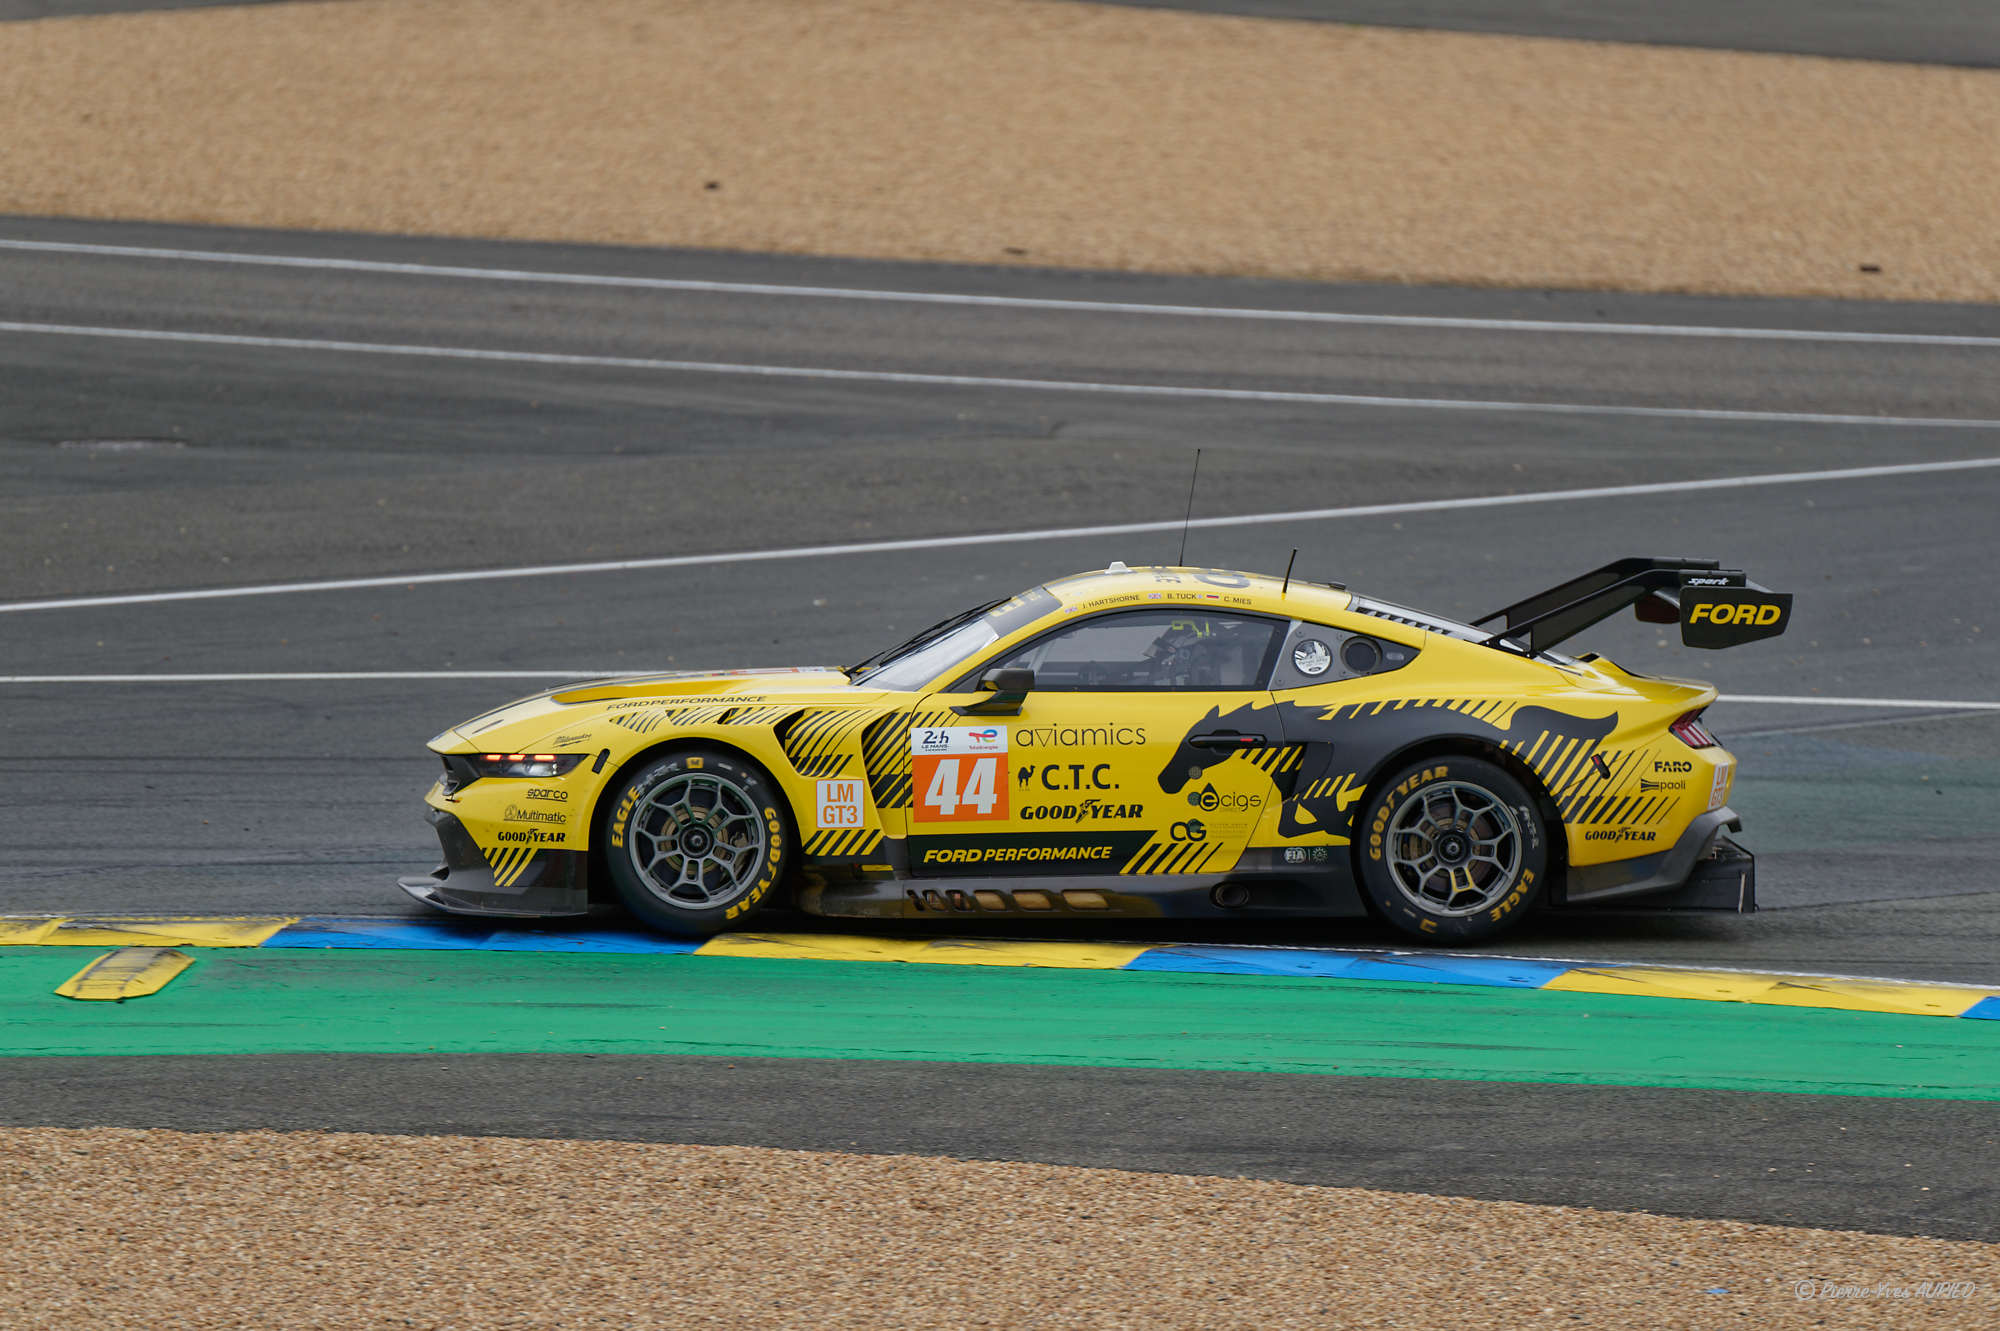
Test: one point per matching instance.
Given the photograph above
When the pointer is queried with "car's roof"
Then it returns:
(1141, 583)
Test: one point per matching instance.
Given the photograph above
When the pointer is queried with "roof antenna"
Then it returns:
(1288, 573)
(1182, 560)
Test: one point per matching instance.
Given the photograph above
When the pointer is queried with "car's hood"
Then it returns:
(561, 720)
(678, 684)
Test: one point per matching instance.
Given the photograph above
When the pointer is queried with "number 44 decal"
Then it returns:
(960, 789)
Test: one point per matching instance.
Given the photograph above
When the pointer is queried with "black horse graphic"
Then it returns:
(1352, 740)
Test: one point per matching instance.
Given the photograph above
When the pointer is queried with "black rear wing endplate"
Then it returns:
(1715, 606)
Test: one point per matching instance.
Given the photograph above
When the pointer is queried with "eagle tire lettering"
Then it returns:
(750, 808)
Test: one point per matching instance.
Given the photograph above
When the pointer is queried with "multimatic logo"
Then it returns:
(516, 814)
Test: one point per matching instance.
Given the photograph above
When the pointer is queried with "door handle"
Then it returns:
(1225, 739)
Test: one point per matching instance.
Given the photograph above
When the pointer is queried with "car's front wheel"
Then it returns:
(697, 842)
(1453, 849)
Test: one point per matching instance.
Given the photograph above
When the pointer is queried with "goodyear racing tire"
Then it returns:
(697, 842)
(1452, 849)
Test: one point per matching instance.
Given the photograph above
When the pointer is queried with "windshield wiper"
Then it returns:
(942, 627)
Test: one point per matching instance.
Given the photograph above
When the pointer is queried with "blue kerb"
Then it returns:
(450, 936)
(1488, 972)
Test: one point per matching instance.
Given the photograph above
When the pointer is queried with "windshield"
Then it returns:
(921, 659)
(922, 664)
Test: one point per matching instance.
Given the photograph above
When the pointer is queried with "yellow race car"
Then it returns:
(1131, 743)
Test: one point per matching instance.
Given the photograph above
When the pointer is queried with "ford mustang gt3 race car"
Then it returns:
(1136, 742)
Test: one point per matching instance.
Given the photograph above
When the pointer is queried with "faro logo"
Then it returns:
(1745, 613)
(1672, 765)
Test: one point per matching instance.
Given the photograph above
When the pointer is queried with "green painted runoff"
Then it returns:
(295, 1001)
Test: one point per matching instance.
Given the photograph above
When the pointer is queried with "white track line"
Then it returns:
(1011, 537)
(366, 676)
(1175, 391)
(1002, 302)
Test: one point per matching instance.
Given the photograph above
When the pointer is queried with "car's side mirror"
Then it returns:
(1010, 687)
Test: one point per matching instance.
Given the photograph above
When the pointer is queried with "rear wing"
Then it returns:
(1715, 606)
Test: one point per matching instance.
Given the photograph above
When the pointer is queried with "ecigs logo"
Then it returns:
(1208, 800)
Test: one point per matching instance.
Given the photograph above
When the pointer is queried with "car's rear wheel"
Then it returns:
(1453, 849)
(697, 842)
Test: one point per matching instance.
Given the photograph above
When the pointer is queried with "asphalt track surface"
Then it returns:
(281, 458)
(1944, 32)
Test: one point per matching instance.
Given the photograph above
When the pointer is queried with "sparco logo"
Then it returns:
(1673, 765)
(1707, 582)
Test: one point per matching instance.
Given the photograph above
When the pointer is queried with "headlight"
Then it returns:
(526, 764)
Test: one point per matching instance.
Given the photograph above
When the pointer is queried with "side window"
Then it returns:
(1316, 654)
(1188, 648)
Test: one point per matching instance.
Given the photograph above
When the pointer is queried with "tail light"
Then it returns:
(1690, 731)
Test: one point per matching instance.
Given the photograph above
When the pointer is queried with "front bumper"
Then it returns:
(521, 883)
(1704, 870)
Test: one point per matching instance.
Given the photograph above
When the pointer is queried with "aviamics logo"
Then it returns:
(1745, 612)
